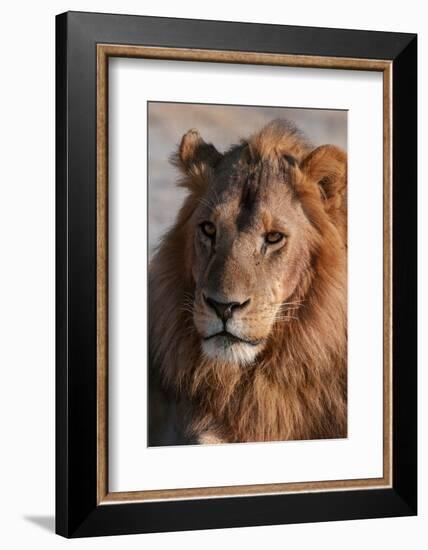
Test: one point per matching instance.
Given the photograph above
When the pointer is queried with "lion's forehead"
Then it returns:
(238, 208)
(255, 182)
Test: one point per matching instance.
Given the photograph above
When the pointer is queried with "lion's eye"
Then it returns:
(274, 237)
(208, 229)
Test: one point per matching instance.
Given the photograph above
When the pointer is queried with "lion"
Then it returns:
(248, 295)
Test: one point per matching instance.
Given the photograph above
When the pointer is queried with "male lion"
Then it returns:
(248, 300)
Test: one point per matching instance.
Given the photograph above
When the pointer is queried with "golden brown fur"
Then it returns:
(295, 387)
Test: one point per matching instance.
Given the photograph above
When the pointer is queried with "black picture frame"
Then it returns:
(77, 511)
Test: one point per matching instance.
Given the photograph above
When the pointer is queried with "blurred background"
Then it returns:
(222, 125)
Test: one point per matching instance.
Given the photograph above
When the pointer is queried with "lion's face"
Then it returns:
(252, 245)
(251, 240)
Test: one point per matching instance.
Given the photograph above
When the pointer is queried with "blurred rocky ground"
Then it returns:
(221, 125)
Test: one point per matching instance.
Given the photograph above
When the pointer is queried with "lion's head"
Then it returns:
(248, 289)
(254, 233)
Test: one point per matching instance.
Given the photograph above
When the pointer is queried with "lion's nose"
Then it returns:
(225, 310)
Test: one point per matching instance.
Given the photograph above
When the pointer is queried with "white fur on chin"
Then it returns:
(235, 353)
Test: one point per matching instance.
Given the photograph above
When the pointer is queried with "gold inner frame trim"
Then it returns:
(104, 51)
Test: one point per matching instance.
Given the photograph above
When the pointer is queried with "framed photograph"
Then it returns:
(236, 274)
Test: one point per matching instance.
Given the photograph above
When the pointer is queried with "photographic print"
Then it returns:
(235, 275)
(247, 254)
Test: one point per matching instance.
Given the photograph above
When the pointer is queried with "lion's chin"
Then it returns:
(236, 353)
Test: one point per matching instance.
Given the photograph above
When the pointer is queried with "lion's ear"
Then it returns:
(327, 167)
(195, 153)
